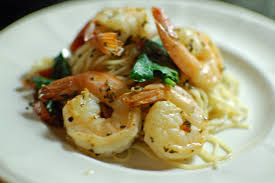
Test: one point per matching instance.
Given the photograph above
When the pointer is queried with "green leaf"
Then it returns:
(166, 73)
(170, 82)
(154, 46)
(61, 67)
(39, 81)
(145, 70)
(156, 52)
(142, 70)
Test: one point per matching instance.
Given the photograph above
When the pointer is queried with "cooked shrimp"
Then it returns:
(196, 56)
(96, 134)
(175, 126)
(81, 115)
(112, 27)
(128, 21)
(104, 86)
(106, 42)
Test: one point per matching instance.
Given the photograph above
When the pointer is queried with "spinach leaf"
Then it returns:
(145, 69)
(39, 81)
(142, 70)
(169, 76)
(156, 52)
(61, 67)
(154, 47)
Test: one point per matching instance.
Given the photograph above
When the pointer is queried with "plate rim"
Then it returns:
(259, 18)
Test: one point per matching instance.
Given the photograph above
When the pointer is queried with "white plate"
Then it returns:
(31, 152)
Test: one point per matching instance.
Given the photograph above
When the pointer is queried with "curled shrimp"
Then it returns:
(104, 86)
(204, 67)
(175, 126)
(82, 119)
(101, 136)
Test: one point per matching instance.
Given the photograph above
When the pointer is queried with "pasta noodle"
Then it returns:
(88, 58)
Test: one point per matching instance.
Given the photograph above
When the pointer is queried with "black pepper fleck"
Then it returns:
(173, 151)
(70, 119)
(152, 139)
(122, 126)
(190, 47)
(165, 149)
(108, 89)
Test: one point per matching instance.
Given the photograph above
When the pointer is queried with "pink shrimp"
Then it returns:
(104, 86)
(175, 126)
(203, 70)
(84, 124)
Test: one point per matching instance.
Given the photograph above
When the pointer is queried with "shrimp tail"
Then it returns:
(59, 89)
(144, 97)
(109, 44)
(163, 22)
(105, 86)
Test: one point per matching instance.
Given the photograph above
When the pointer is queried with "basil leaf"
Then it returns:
(61, 67)
(39, 81)
(142, 70)
(169, 76)
(156, 52)
(145, 70)
(170, 82)
(154, 46)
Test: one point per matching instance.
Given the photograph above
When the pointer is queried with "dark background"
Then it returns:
(11, 10)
